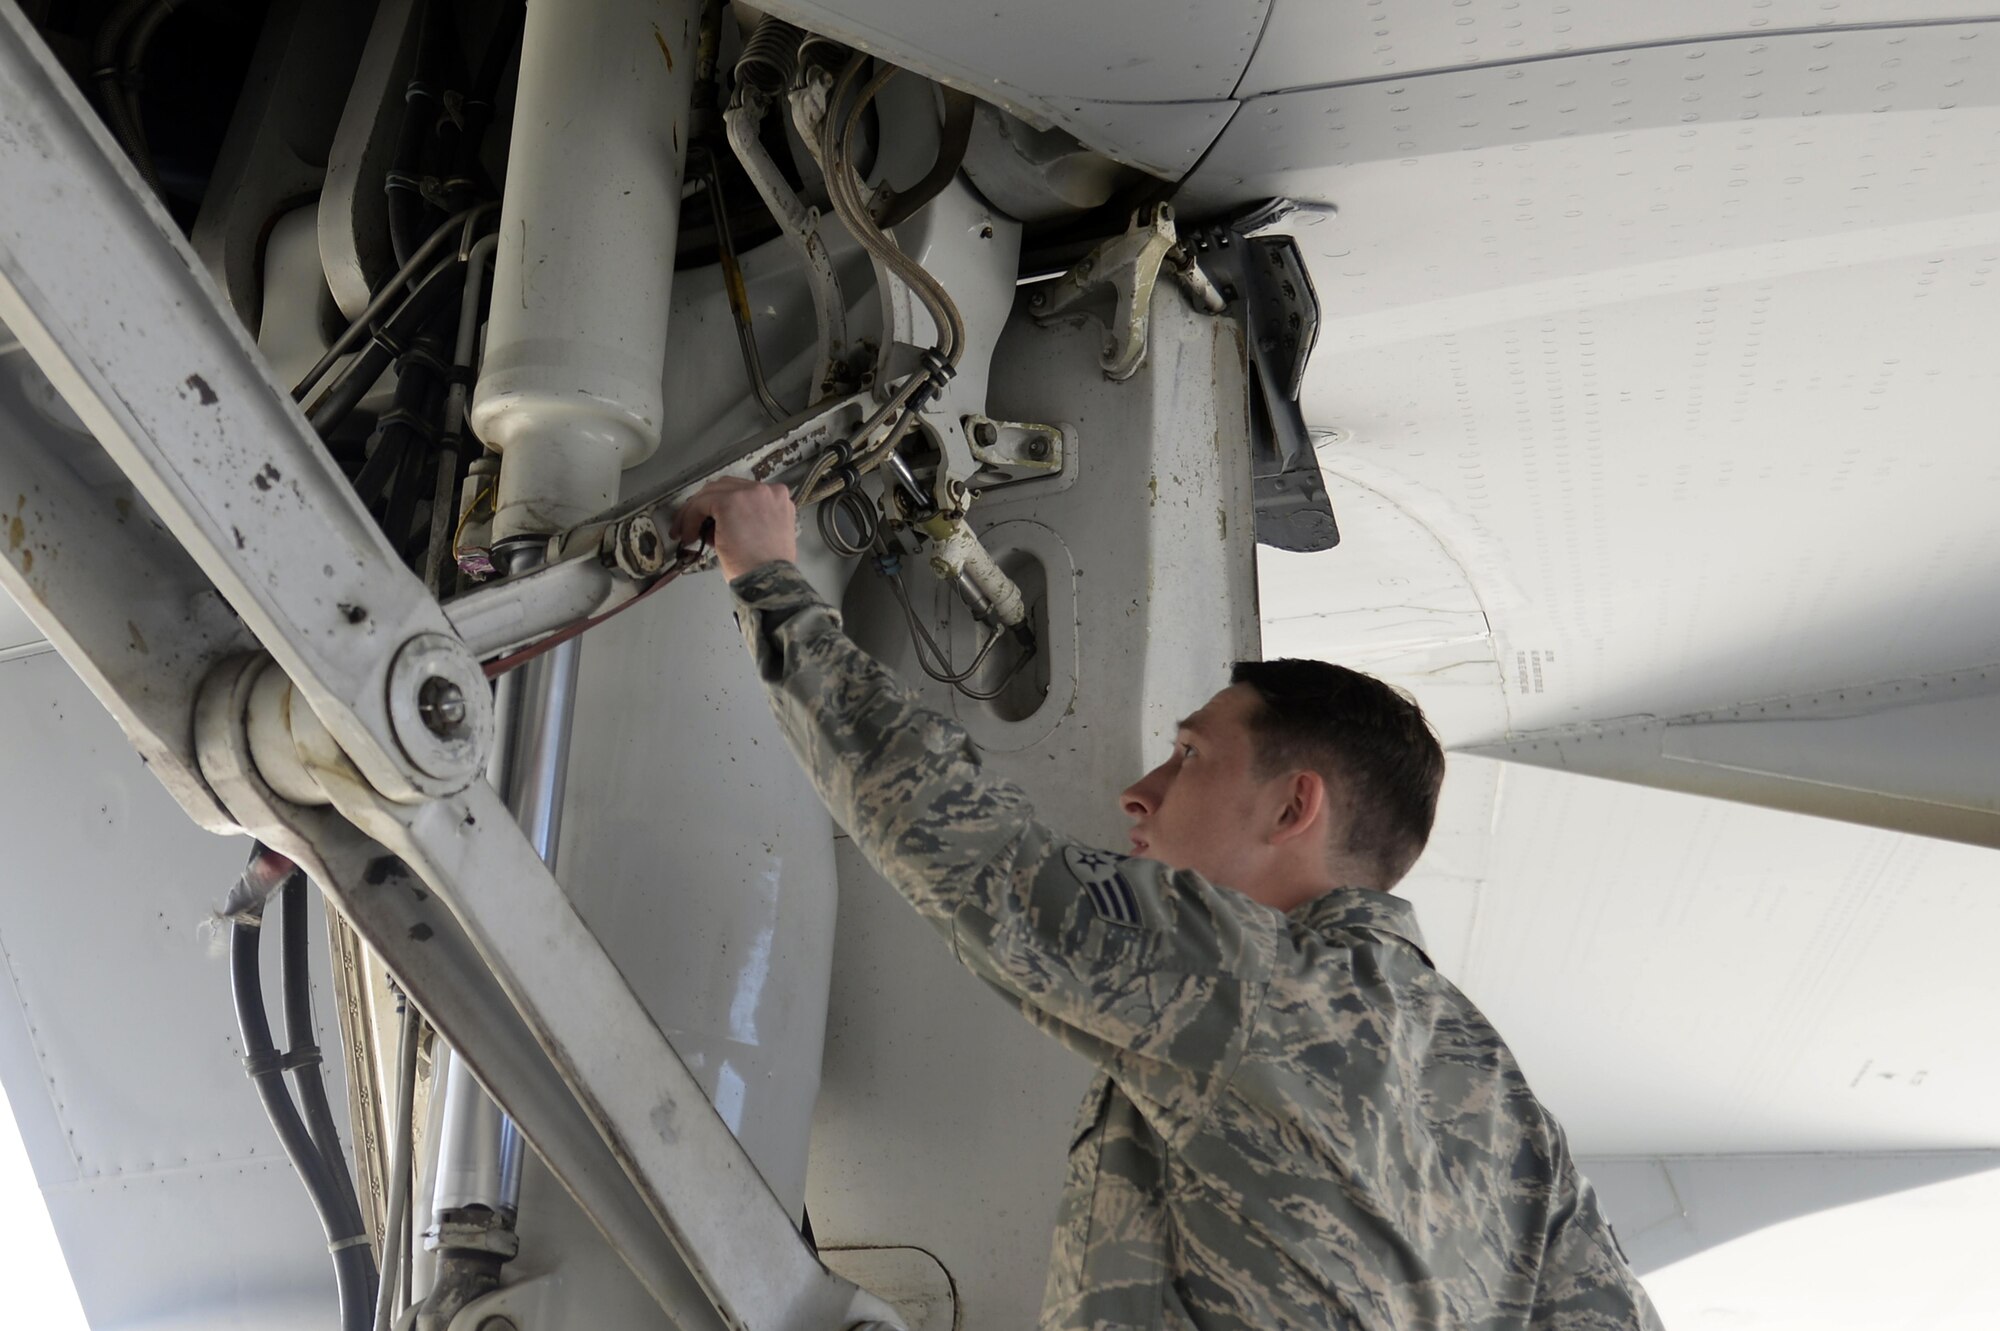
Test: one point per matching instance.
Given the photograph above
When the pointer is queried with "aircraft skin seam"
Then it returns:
(1664, 43)
(1816, 706)
(1250, 60)
(41, 1063)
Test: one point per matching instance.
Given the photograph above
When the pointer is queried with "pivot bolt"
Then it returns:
(986, 433)
(441, 704)
(940, 567)
(441, 711)
(1038, 446)
(639, 549)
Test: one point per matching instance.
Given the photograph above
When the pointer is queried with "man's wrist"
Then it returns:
(760, 570)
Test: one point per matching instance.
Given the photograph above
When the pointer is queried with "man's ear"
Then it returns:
(1304, 809)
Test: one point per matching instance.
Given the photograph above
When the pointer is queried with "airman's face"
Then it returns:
(1204, 808)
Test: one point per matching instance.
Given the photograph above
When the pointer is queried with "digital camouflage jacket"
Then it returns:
(1297, 1121)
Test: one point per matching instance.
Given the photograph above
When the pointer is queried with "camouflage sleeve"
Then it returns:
(1111, 954)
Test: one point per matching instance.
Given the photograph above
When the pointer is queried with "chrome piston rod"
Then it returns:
(479, 1148)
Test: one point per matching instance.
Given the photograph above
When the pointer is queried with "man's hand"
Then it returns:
(754, 524)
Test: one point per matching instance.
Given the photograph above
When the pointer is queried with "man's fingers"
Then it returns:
(687, 521)
(704, 506)
(717, 501)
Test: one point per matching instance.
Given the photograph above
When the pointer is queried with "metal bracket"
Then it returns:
(1009, 452)
(1114, 284)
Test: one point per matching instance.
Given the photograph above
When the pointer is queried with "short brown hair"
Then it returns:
(1352, 729)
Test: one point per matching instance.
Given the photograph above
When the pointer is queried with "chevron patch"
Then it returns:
(1110, 895)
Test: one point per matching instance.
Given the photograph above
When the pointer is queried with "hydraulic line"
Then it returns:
(389, 342)
(353, 1264)
(395, 1233)
(762, 74)
(113, 87)
(465, 223)
(130, 62)
(955, 137)
(739, 296)
(404, 181)
(302, 1055)
(844, 190)
(439, 559)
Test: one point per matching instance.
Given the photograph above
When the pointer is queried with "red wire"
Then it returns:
(500, 665)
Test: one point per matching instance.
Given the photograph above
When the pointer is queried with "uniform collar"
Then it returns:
(1363, 908)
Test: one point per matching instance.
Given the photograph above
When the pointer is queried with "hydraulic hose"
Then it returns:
(111, 78)
(340, 397)
(404, 183)
(130, 62)
(954, 138)
(466, 223)
(353, 1264)
(844, 190)
(302, 1055)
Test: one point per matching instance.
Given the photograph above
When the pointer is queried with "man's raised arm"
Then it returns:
(1110, 953)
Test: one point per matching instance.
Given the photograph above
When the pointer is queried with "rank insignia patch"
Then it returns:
(1110, 895)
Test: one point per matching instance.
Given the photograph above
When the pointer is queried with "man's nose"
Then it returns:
(1142, 797)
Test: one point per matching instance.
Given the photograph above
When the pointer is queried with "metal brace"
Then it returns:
(1009, 452)
(1114, 285)
(1263, 275)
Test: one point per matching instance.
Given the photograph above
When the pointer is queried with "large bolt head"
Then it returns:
(441, 710)
(441, 704)
(640, 549)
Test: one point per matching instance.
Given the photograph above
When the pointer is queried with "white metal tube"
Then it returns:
(570, 390)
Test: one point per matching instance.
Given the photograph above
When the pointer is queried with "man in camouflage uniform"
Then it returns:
(1297, 1121)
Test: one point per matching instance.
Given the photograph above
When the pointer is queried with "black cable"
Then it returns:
(391, 341)
(302, 1056)
(954, 138)
(353, 1263)
(112, 91)
(466, 224)
(477, 109)
(420, 112)
(424, 378)
(131, 61)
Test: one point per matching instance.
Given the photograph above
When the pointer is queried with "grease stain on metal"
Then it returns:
(138, 639)
(420, 933)
(663, 1119)
(264, 479)
(665, 50)
(381, 869)
(202, 390)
